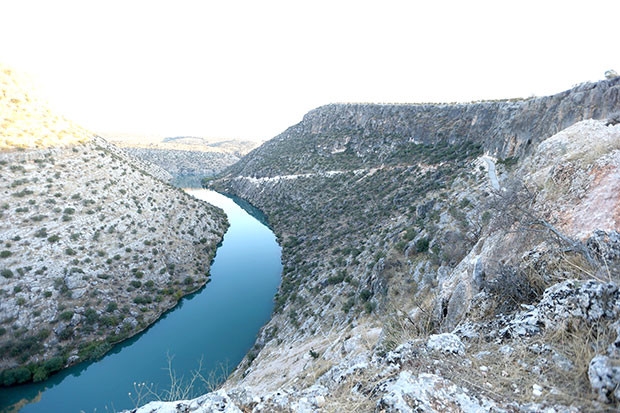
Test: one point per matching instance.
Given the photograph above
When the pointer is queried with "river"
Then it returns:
(213, 329)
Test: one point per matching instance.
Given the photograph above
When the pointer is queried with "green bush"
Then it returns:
(365, 295)
(6, 273)
(422, 244)
(66, 315)
(91, 316)
(94, 351)
(16, 376)
(5, 254)
(143, 299)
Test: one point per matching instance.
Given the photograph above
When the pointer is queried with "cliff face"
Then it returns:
(371, 132)
(420, 238)
(94, 245)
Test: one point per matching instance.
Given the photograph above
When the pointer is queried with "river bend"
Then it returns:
(214, 327)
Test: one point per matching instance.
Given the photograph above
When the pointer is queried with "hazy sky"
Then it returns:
(250, 69)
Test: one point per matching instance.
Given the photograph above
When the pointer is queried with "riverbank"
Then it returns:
(216, 326)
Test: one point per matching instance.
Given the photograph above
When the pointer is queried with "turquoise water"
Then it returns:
(217, 325)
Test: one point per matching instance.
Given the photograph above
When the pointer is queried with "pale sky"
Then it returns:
(250, 69)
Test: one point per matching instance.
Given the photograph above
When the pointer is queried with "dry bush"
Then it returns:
(512, 287)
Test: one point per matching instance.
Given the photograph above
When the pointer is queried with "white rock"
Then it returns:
(429, 393)
(446, 343)
(604, 375)
(217, 401)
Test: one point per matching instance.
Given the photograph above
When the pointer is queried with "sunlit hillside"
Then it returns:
(27, 122)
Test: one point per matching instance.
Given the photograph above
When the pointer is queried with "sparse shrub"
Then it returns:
(143, 299)
(5, 254)
(41, 233)
(422, 244)
(365, 295)
(346, 307)
(94, 351)
(6, 273)
(66, 315)
(370, 306)
(91, 316)
(65, 334)
(53, 238)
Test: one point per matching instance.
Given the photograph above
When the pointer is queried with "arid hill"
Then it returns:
(94, 244)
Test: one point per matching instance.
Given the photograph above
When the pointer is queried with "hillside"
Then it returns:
(439, 258)
(187, 159)
(94, 245)
(26, 122)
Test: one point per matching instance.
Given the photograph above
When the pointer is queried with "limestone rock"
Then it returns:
(429, 393)
(217, 401)
(446, 343)
(590, 300)
(604, 375)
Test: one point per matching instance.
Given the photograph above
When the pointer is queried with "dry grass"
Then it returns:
(400, 327)
(354, 394)
(556, 360)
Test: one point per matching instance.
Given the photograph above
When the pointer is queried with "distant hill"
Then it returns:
(187, 159)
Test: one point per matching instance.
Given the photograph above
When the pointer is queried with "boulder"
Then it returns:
(446, 343)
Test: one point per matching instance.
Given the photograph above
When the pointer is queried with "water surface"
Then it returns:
(216, 325)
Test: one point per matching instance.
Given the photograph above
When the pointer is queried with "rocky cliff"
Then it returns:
(94, 245)
(370, 132)
(439, 258)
